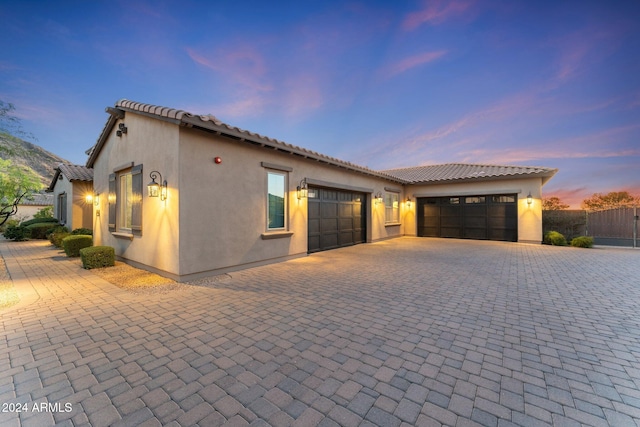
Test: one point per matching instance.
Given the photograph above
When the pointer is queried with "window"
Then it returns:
(391, 208)
(125, 200)
(276, 200)
(62, 208)
(504, 199)
(474, 200)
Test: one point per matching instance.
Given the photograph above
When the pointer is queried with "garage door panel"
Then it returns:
(471, 217)
(336, 219)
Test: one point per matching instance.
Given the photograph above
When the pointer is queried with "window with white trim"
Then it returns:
(391, 208)
(276, 200)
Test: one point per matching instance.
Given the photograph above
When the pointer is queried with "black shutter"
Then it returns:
(112, 202)
(136, 207)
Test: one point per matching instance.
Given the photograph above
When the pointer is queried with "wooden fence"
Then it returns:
(614, 226)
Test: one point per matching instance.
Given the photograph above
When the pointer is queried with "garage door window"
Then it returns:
(276, 200)
(391, 206)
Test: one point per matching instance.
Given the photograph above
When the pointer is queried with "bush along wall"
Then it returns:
(40, 230)
(97, 257)
(554, 238)
(73, 244)
(582, 242)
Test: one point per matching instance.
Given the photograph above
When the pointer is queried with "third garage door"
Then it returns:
(488, 217)
(336, 218)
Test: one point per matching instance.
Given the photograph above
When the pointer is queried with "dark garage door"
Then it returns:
(489, 217)
(336, 218)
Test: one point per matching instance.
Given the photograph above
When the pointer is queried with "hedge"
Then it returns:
(85, 231)
(97, 257)
(56, 238)
(39, 221)
(73, 244)
(17, 233)
(39, 230)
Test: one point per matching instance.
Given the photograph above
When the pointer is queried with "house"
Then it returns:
(71, 184)
(188, 196)
(32, 204)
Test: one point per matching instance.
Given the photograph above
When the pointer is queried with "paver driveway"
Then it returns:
(409, 331)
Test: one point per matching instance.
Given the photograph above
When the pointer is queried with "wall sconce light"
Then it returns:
(121, 129)
(378, 198)
(529, 199)
(409, 202)
(302, 189)
(92, 199)
(156, 189)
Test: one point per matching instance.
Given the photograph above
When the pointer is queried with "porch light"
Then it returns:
(156, 189)
(92, 199)
(302, 189)
(409, 202)
(529, 199)
(378, 198)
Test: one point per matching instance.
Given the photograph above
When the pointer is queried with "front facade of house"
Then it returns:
(70, 186)
(235, 199)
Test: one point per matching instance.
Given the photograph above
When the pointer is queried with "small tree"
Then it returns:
(16, 182)
(612, 200)
(553, 204)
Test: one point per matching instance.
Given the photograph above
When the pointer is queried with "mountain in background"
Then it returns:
(26, 153)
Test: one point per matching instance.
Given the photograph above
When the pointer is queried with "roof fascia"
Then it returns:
(53, 181)
(243, 136)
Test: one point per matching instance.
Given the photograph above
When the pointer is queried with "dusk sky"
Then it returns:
(383, 84)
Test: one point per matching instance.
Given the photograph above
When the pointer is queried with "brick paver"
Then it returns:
(410, 331)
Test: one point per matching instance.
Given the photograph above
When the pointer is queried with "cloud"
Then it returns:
(436, 12)
(412, 62)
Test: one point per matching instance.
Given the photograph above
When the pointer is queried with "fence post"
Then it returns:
(635, 226)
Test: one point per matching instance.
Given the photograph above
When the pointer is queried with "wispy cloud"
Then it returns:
(412, 62)
(436, 12)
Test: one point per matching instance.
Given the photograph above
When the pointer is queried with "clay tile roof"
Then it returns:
(76, 172)
(38, 199)
(464, 171)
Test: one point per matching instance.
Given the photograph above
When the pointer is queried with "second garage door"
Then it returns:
(488, 217)
(336, 218)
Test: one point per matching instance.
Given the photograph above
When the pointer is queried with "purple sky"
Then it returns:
(382, 84)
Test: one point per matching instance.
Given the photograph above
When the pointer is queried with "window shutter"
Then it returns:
(136, 207)
(112, 202)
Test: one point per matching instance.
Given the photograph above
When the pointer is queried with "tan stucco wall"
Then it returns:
(153, 144)
(26, 212)
(223, 206)
(214, 219)
(529, 216)
(79, 213)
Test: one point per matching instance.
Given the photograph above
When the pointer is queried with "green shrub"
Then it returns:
(57, 238)
(73, 244)
(9, 223)
(46, 212)
(582, 242)
(39, 230)
(555, 238)
(17, 233)
(39, 221)
(57, 229)
(85, 231)
(97, 257)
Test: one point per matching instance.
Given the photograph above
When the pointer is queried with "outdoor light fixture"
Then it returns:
(121, 129)
(529, 199)
(378, 198)
(90, 198)
(409, 202)
(156, 189)
(302, 189)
